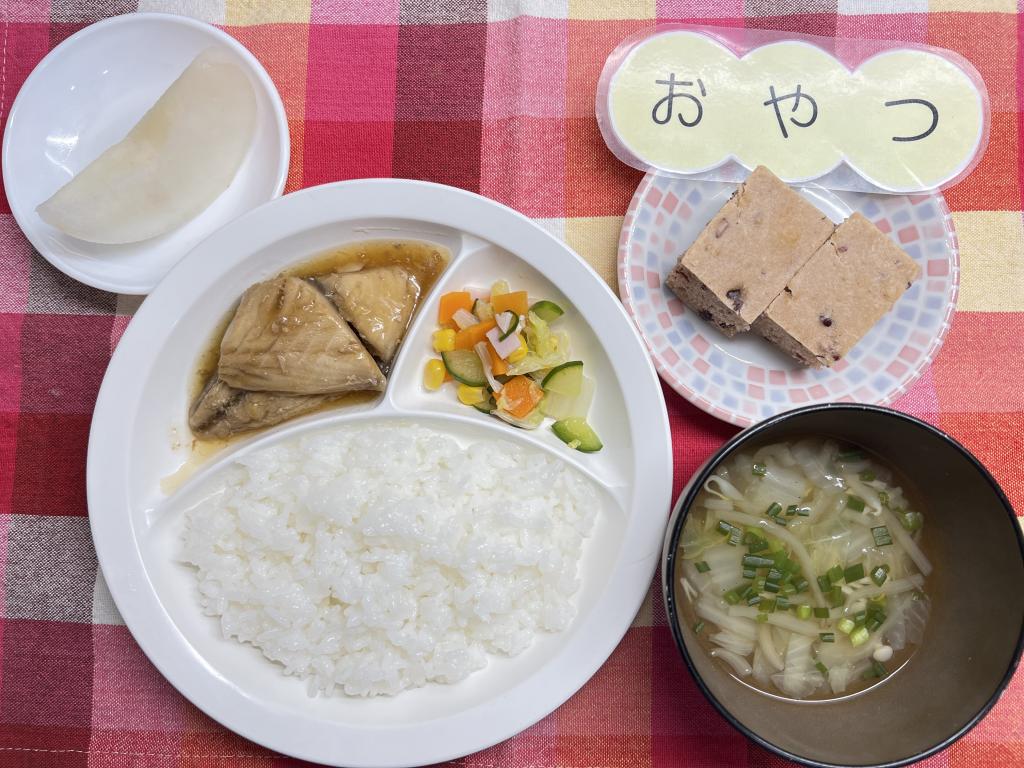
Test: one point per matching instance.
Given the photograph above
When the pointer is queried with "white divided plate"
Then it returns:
(140, 423)
(84, 97)
(745, 379)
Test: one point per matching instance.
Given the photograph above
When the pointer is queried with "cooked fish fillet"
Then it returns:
(378, 302)
(222, 411)
(286, 336)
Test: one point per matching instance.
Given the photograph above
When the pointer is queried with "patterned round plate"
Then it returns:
(745, 379)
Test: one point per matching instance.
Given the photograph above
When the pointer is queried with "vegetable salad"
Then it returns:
(507, 357)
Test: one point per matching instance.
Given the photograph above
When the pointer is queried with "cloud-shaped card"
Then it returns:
(684, 103)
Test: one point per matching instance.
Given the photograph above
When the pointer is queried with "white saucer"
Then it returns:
(85, 96)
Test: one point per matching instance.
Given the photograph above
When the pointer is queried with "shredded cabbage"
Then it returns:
(788, 647)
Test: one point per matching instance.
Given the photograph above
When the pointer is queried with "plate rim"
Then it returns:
(742, 420)
(256, 68)
(494, 719)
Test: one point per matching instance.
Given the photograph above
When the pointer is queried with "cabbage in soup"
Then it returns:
(801, 569)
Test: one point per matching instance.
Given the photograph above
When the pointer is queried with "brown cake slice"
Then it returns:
(748, 252)
(839, 294)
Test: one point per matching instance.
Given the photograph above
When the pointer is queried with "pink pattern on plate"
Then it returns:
(715, 373)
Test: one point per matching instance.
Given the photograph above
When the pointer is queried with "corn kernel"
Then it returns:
(471, 395)
(520, 353)
(444, 340)
(433, 374)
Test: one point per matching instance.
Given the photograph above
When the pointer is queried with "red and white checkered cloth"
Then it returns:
(498, 98)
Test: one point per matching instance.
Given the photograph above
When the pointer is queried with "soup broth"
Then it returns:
(800, 569)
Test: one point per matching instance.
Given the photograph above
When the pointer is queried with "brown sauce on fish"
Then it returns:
(423, 261)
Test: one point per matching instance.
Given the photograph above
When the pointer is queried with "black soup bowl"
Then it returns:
(974, 635)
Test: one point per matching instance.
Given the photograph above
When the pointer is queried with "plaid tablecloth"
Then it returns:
(497, 98)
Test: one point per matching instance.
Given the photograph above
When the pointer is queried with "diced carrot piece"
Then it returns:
(468, 338)
(521, 395)
(517, 302)
(451, 303)
(498, 366)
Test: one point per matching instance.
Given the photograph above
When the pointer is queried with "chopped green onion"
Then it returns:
(750, 590)
(874, 623)
(759, 583)
(735, 534)
(771, 586)
(859, 636)
(879, 669)
(846, 626)
(801, 584)
(883, 497)
(803, 611)
(836, 597)
(867, 475)
(766, 606)
(773, 509)
(880, 574)
(788, 589)
(854, 572)
(835, 573)
(753, 600)
(856, 503)
(827, 637)
(762, 618)
(782, 562)
(912, 521)
(851, 455)
(860, 618)
(732, 597)
(803, 511)
(782, 603)
(756, 561)
(824, 582)
(698, 627)
(760, 545)
(821, 613)
(882, 537)
(759, 469)
(749, 573)
(703, 567)
(774, 574)
(791, 510)
(821, 668)
(780, 521)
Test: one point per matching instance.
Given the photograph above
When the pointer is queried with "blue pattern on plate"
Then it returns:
(920, 311)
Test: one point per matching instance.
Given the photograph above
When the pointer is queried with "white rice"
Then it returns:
(379, 557)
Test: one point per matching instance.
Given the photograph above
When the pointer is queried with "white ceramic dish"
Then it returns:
(84, 96)
(745, 379)
(139, 428)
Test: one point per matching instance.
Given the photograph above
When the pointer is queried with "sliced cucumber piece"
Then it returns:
(547, 310)
(513, 324)
(483, 310)
(578, 434)
(465, 367)
(564, 379)
(486, 406)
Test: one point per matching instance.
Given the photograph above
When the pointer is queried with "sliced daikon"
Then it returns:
(178, 159)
